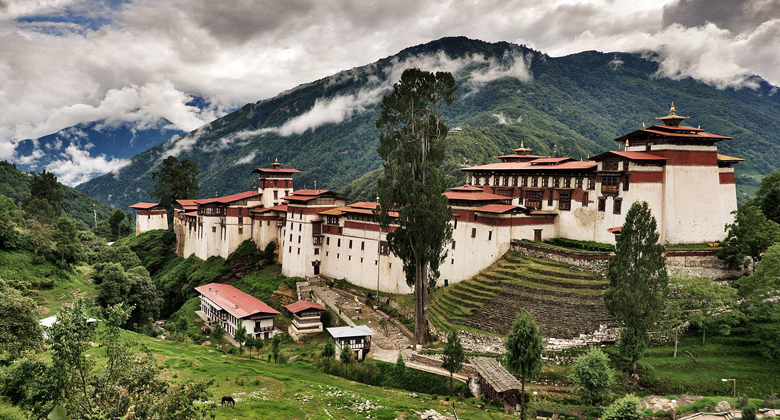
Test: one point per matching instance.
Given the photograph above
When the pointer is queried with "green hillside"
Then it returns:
(76, 205)
(579, 102)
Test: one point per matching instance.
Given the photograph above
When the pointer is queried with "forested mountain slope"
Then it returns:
(507, 93)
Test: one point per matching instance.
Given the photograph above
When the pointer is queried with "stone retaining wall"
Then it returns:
(435, 361)
(590, 261)
(700, 263)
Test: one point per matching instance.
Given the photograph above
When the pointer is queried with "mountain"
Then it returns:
(76, 205)
(507, 93)
(81, 152)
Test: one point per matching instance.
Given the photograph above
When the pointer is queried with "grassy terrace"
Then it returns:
(488, 303)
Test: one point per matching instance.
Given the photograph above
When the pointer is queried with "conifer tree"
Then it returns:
(240, 337)
(637, 281)
(175, 181)
(524, 349)
(453, 355)
(591, 376)
(399, 370)
(412, 145)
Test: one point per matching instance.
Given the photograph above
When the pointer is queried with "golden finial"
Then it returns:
(276, 163)
(672, 120)
(315, 184)
(215, 193)
(672, 111)
(626, 143)
(377, 197)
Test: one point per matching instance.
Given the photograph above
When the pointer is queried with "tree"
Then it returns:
(760, 293)
(10, 224)
(750, 235)
(133, 288)
(115, 222)
(19, 328)
(45, 201)
(218, 333)
(524, 349)
(347, 356)
(68, 247)
(399, 370)
(275, 349)
(40, 236)
(127, 386)
(768, 196)
(637, 281)
(413, 145)
(240, 337)
(453, 355)
(329, 350)
(591, 376)
(175, 181)
(626, 408)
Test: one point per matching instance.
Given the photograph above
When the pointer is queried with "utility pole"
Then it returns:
(734, 407)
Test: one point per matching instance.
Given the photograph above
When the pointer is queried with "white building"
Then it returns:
(306, 318)
(358, 338)
(149, 216)
(224, 304)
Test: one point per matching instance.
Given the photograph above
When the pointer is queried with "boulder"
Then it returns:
(722, 406)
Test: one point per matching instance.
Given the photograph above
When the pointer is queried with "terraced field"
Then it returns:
(563, 300)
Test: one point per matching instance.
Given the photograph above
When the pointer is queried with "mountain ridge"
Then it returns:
(507, 93)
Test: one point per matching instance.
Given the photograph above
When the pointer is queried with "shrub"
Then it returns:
(626, 408)
(771, 401)
(742, 400)
(749, 412)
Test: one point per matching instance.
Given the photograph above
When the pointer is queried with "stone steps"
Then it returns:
(555, 281)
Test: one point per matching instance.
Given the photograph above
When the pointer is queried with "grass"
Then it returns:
(690, 247)
(51, 285)
(279, 389)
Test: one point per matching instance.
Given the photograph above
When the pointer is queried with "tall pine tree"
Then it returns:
(637, 281)
(412, 146)
(175, 181)
(524, 348)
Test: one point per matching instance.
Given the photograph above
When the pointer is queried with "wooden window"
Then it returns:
(550, 198)
(350, 244)
(476, 181)
(453, 244)
(535, 181)
(544, 181)
(556, 182)
(490, 235)
(316, 251)
(585, 199)
(610, 166)
(533, 200)
(473, 232)
(625, 165)
(625, 183)
(514, 181)
(525, 181)
(506, 181)
(363, 245)
(213, 229)
(567, 182)
(564, 200)
(617, 206)
(591, 183)
(333, 220)
(602, 203)
(384, 248)
(240, 231)
(578, 182)
(609, 185)
(276, 195)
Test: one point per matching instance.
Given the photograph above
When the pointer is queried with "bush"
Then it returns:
(771, 401)
(626, 408)
(584, 245)
(749, 412)
(9, 412)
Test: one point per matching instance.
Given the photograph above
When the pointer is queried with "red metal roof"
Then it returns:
(188, 204)
(190, 213)
(498, 208)
(229, 198)
(303, 305)
(308, 195)
(616, 229)
(527, 166)
(275, 171)
(673, 128)
(280, 207)
(699, 135)
(466, 188)
(550, 160)
(523, 156)
(364, 205)
(234, 301)
(144, 206)
(640, 156)
(453, 195)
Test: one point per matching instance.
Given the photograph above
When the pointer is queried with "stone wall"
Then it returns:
(435, 360)
(700, 263)
(590, 261)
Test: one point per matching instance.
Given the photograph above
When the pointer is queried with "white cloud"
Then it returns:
(246, 159)
(501, 118)
(78, 166)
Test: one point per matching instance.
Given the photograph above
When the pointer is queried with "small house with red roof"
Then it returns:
(225, 305)
(305, 318)
(149, 216)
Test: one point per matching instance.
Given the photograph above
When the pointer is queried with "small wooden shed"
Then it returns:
(497, 382)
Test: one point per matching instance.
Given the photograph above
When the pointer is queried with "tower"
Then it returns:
(275, 183)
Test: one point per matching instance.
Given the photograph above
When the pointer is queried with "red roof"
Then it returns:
(364, 205)
(191, 213)
(229, 198)
(640, 156)
(280, 207)
(725, 158)
(275, 171)
(187, 204)
(616, 229)
(453, 195)
(303, 305)
(498, 208)
(234, 301)
(673, 128)
(550, 160)
(516, 156)
(144, 206)
(466, 188)
(665, 131)
(528, 166)
(308, 195)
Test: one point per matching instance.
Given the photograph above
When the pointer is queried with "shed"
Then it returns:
(497, 382)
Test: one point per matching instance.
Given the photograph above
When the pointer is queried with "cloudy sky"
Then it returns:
(68, 61)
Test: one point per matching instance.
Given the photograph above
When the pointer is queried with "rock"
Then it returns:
(292, 359)
(722, 406)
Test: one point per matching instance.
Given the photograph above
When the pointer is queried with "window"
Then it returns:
(616, 206)
(338, 255)
(453, 261)
(453, 244)
(591, 183)
(363, 245)
(556, 182)
(495, 180)
(240, 231)
(338, 243)
(476, 180)
(610, 166)
(533, 200)
(473, 232)
(506, 181)
(299, 239)
(300, 227)
(567, 182)
(578, 182)
(625, 183)
(525, 181)
(384, 248)
(625, 165)
(564, 200)
(291, 237)
(333, 220)
(350, 244)
(361, 260)
(550, 198)
(213, 229)
(240, 211)
(327, 240)
(299, 251)
(290, 250)
(490, 235)
(349, 258)
(316, 251)
(514, 181)
(609, 185)
(535, 181)
(276, 195)
(456, 224)
(544, 181)
(585, 199)
(602, 203)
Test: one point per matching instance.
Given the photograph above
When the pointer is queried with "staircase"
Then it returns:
(564, 301)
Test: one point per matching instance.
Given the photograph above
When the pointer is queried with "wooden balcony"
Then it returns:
(263, 329)
(610, 190)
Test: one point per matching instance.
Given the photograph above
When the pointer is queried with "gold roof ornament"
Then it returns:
(377, 197)
(522, 150)
(276, 163)
(315, 184)
(672, 120)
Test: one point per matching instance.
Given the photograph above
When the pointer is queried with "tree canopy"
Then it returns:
(750, 235)
(19, 328)
(524, 348)
(175, 180)
(591, 376)
(637, 281)
(413, 145)
(454, 356)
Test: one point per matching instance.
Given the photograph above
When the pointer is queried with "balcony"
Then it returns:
(263, 329)
(609, 190)
(317, 240)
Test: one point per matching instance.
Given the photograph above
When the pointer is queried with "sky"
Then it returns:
(139, 62)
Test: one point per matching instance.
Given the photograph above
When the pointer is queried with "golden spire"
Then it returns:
(626, 143)
(315, 184)
(276, 163)
(377, 197)
(672, 120)
(672, 111)
(522, 150)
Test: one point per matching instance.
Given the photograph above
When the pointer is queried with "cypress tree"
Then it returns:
(524, 349)
(637, 281)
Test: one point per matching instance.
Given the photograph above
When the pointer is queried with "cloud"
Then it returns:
(246, 159)
(77, 166)
(736, 16)
(501, 118)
